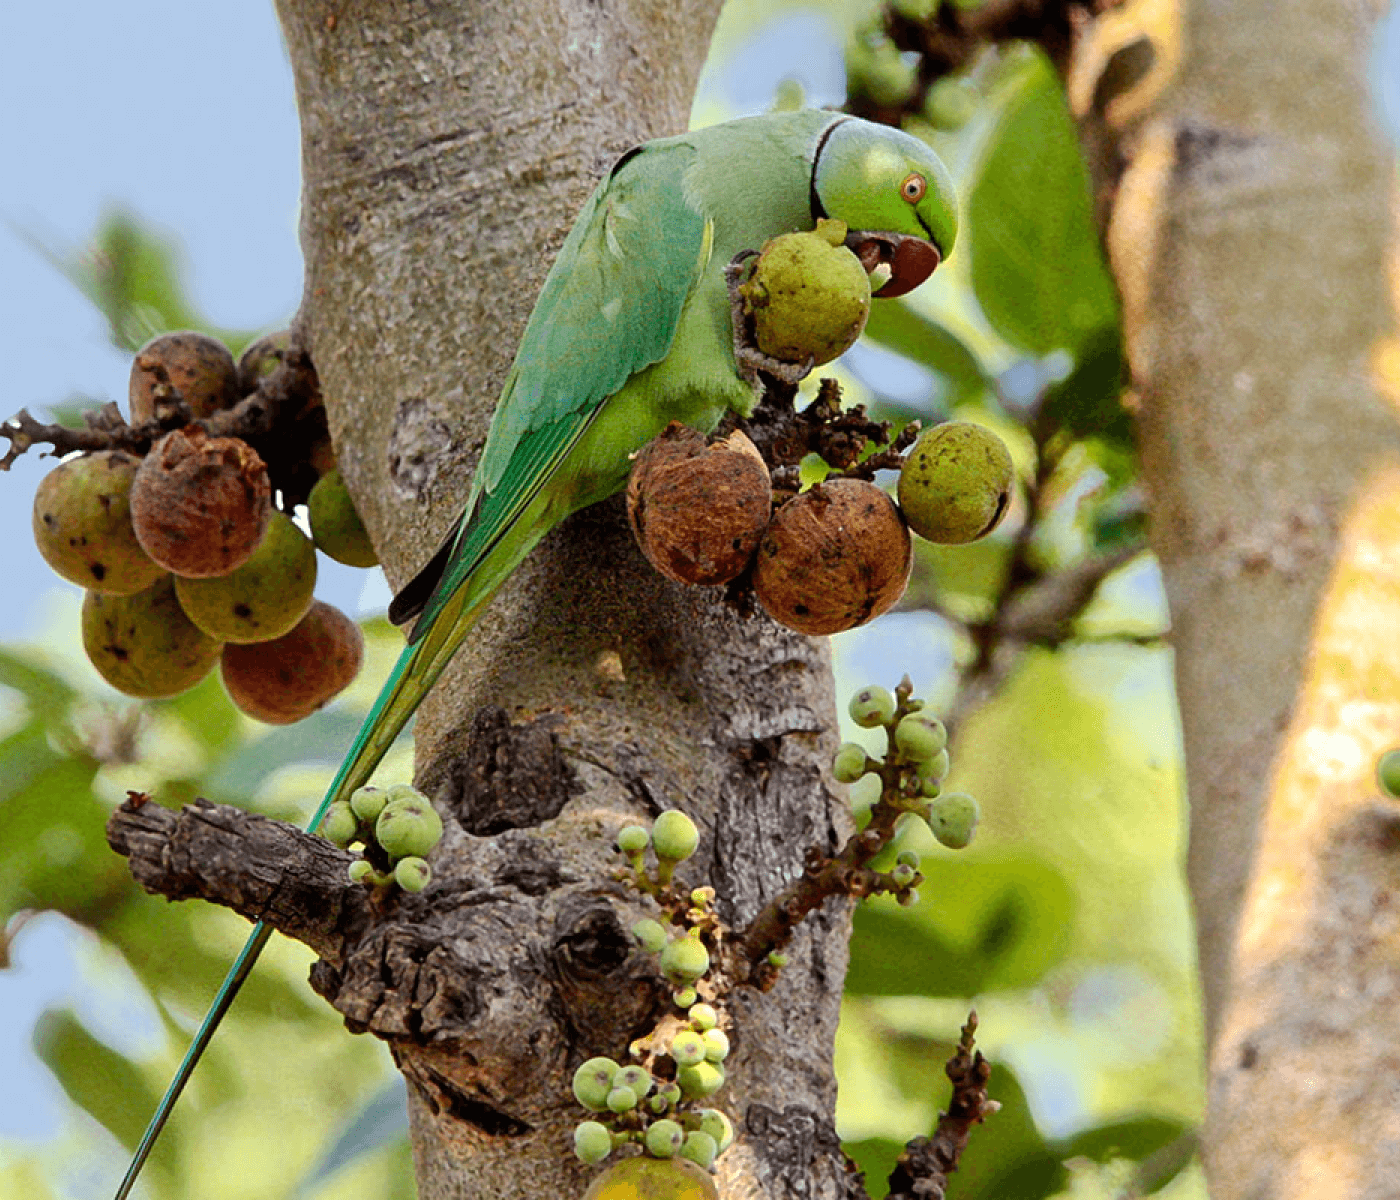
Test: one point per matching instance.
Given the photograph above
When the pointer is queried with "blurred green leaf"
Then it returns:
(1138, 1138)
(1037, 266)
(876, 1157)
(381, 1121)
(48, 694)
(980, 926)
(321, 738)
(131, 273)
(963, 581)
(102, 1082)
(928, 342)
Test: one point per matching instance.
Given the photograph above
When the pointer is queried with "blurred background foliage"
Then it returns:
(1066, 924)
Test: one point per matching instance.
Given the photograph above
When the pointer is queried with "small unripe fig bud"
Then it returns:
(674, 835)
(685, 997)
(849, 763)
(701, 1079)
(637, 1078)
(361, 871)
(643, 1177)
(199, 365)
(144, 645)
(698, 510)
(340, 825)
(955, 485)
(920, 736)
(935, 769)
(409, 826)
(950, 103)
(412, 874)
(716, 1044)
(200, 505)
(902, 874)
(777, 958)
(717, 1124)
(953, 819)
(367, 802)
(288, 679)
(907, 858)
(1388, 773)
(651, 934)
(633, 839)
(336, 526)
(808, 295)
(592, 1141)
(82, 524)
(664, 1138)
(700, 1148)
(593, 1081)
(262, 599)
(834, 557)
(684, 960)
(688, 1048)
(621, 1099)
(703, 1017)
(872, 706)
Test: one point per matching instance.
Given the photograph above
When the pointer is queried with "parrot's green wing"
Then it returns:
(609, 308)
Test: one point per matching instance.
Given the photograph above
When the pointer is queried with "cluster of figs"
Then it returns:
(186, 558)
(839, 553)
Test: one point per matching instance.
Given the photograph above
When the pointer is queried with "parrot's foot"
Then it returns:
(747, 356)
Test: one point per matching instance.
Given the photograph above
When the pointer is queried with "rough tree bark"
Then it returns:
(446, 149)
(1274, 469)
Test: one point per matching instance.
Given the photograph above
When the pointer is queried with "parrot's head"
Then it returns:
(893, 192)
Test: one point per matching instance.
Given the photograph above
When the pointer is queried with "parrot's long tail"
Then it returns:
(415, 672)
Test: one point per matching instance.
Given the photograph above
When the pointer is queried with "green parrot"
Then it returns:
(634, 328)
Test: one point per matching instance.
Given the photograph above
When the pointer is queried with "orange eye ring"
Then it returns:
(913, 187)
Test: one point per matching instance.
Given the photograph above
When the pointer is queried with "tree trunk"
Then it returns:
(446, 150)
(1274, 469)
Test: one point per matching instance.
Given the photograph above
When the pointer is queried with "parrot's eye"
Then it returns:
(913, 188)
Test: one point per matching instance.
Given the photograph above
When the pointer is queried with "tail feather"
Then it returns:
(415, 672)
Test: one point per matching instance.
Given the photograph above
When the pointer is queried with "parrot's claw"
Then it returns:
(747, 356)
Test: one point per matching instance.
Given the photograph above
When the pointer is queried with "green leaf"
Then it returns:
(930, 343)
(876, 1157)
(47, 693)
(1037, 266)
(131, 274)
(100, 1081)
(986, 925)
(382, 1121)
(1138, 1139)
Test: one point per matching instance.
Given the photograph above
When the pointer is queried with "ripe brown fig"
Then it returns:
(834, 557)
(200, 505)
(199, 365)
(698, 510)
(144, 645)
(82, 524)
(262, 599)
(288, 679)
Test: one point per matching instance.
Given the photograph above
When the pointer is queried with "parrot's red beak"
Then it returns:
(910, 260)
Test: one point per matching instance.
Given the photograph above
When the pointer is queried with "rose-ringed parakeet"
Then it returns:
(633, 329)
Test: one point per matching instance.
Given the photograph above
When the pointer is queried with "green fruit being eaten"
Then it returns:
(809, 296)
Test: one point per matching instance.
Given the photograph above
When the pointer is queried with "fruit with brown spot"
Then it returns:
(834, 557)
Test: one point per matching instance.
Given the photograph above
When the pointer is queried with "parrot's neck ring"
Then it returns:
(814, 199)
